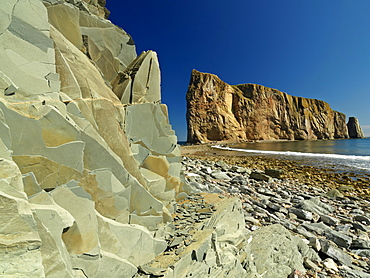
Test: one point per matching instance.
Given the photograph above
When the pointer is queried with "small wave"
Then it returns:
(336, 156)
(354, 161)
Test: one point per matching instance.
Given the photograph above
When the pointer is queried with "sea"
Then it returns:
(347, 155)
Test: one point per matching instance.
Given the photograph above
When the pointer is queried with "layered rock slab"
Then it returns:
(217, 111)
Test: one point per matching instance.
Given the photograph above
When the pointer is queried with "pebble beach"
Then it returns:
(330, 211)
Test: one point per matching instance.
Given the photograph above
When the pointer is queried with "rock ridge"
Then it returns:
(217, 111)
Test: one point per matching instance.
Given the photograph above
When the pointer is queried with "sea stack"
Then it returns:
(354, 128)
(217, 111)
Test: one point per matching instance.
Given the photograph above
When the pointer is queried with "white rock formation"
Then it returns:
(82, 181)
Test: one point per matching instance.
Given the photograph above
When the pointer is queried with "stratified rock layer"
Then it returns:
(354, 128)
(217, 111)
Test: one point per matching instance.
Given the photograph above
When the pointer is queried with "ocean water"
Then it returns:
(341, 155)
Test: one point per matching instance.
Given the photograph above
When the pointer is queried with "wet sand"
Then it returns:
(355, 184)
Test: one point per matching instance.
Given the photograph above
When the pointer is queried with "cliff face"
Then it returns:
(89, 169)
(354, 128)
(217, 111)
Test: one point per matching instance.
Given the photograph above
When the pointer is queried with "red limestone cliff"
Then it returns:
(217, 111)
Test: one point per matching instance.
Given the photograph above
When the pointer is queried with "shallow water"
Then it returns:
(341, 155)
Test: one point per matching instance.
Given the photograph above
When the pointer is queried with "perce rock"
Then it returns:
(217, 111)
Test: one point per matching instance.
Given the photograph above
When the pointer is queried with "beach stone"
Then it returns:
(216, 189)
(338, 238)
(287, 224)
(222, 164)
(220, 176)
(297, 199)
(318, 228)
(296, 274)
(277, 255)
(362, 252)
(345, 188)
(334, 193)
(273, 206)
(302, 214)
(239, 180)
(265, 191)
(343, 228)
(329, 220)
(360, 244)
(241, 170)
(335, 253)
(316, 206)
(199, 187)
(207, 170)
(314, 243)
(274, 173)
(252, 220)
(352, 273)
(260, 176)
(232, 189)
(330, 264)
(357, 212)
(308, 264)
(361, 227)
(284, 194)
(302, 231)
(363, 219)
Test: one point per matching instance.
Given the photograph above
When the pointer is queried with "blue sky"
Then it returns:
(310, 48)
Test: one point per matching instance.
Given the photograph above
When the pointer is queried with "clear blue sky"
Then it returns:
(310, 48)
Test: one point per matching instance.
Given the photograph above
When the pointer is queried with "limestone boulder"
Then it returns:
(274, 252)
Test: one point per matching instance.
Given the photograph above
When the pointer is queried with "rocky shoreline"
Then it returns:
(332, 218)
(358, 183)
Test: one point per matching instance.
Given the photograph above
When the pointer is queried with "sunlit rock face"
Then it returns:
(354, 128)
(89, 164)
(217, 111)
